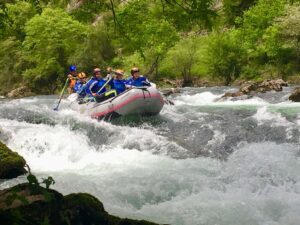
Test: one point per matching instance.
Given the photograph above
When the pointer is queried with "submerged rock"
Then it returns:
(232, 94)
(26, 204)
(11, 163)
(295, 96)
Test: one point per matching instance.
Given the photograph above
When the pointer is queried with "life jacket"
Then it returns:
(72, 82)
(119, 85)
(139, 82)
(95, 84)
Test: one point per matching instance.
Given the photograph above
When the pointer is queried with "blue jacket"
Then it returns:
(79, 88)
(78, 85)
(139, 82)
(95, 84)
(119, 86)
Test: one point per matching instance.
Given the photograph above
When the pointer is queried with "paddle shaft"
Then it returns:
(61, 95)
(104, 85)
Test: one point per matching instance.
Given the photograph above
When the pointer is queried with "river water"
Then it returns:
(201, 161)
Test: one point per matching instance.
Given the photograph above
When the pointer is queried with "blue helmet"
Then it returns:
(73, 68)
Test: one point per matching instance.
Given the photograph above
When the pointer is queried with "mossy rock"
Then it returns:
(11, 163)
(46, 206)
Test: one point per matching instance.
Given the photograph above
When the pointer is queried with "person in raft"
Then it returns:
(72, 79)
(137, 80)
(119, 82)
(79, 87)
(96, 89)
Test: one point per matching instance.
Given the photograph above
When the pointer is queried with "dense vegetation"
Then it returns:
(220, 40)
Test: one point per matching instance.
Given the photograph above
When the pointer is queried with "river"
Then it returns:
(200, 162)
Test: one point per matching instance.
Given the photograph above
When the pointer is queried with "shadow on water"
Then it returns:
(139, 120)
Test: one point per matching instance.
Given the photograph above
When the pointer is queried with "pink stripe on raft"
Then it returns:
(114, 108)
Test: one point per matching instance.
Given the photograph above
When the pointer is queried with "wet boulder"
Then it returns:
(34, 204)
(232, 94)
(11, 163)
(295, 96)
(263, 86)
(169, 91)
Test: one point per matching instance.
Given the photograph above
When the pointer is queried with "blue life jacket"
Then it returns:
(95, 84)
(139, 82)
(119, 86)
(78, 85)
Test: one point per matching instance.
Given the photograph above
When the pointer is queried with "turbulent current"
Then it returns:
(202, 161)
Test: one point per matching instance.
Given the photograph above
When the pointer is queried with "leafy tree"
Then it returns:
(225, 57)
(97, 50)
(183, 58)
(289, 29)
(152, 34)
(52, 38)
(185, 14)
(236, 8)
(88, 11)
(257, 19)
(281, 41)
(11, 63)
(18, 14)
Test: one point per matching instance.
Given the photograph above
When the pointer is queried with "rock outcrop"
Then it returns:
(29, 205)
(251, 87)
(11, 163)
(169, 91)
(262, 87)
(295, 96)
(20, 92)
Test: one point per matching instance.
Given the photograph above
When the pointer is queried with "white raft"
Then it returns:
(138, 100)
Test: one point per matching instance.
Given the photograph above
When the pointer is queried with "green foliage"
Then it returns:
(97, 49)
(281, 41)
(224, 57)
(16, 16)
(90, 10)
(183, 59)
(48, 182)
(257, 19)
(151, 36)
(35, 186)
(236, 8)
(185, 39)
(11, 63)
(152, 30)
(186, 14)
(52, 38)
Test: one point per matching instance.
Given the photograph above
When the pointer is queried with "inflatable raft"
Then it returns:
(138, 100)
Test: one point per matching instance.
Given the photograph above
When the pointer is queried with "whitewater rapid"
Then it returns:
(202, 161)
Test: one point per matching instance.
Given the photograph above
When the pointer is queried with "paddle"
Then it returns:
(61, 95)
(104, 85)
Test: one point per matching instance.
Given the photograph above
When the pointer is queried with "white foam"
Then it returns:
(197, 99)
(208, 98)
(263, 115)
